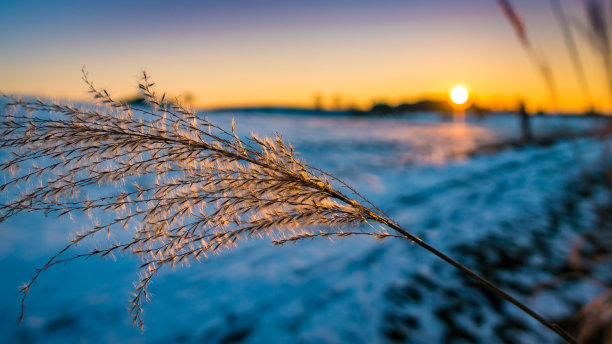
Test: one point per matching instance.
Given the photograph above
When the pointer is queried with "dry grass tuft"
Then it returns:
(211, 190)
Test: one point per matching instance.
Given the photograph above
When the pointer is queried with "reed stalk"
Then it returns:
(570, 44)
(600, 36)
(211, 190)
(517, 23)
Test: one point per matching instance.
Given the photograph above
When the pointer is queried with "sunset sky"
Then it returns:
(273, 52)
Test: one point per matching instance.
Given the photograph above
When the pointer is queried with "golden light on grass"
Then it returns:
(212, 189)
(459, 95)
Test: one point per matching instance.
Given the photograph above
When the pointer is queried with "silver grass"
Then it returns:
(212, 189)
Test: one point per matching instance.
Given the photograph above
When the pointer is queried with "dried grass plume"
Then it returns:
(181, 186)
(211, 188)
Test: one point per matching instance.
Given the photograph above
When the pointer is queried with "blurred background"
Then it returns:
(479, 125)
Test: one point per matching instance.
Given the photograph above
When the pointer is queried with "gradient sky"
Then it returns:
(240, 52)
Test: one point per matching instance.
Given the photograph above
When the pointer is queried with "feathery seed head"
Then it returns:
(211, 188)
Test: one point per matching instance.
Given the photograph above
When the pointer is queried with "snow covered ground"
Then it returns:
(355, 289)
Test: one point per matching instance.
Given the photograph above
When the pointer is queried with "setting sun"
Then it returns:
(459, 95)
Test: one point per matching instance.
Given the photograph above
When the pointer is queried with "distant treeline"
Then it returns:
(380, 108)
(422, 105)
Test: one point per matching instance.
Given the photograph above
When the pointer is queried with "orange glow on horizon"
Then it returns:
(348, 65)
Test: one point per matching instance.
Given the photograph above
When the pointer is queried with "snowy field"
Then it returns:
(504, 214)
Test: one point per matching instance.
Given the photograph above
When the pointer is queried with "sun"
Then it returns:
(459, 95)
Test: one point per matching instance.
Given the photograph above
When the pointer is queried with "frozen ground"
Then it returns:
(509, 205)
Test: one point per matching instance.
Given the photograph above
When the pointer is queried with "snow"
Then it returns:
(415, 168)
